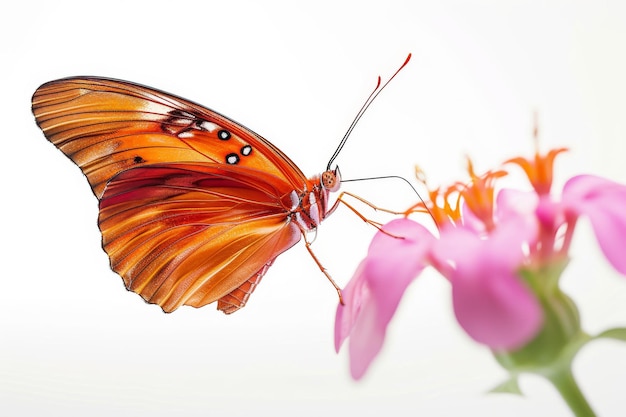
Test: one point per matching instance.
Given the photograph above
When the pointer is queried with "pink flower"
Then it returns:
(603, 202)
(374, 292)
(486, 240)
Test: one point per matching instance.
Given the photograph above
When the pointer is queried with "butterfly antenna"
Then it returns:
(351, 127)
(362, 110)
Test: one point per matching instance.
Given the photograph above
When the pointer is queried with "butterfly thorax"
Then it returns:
(310, 206)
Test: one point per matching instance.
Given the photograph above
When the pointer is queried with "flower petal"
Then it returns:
(366, 340)
(373, 294)
(588, 187)
(515, 202)
(603, 202)
(490, 301)
(393, 262)
(354, 295)
(494, 307)
(452, 248)
(460, 246)
(399, 234)
(470, 221)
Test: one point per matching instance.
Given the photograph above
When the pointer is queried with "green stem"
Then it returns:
(564, 382)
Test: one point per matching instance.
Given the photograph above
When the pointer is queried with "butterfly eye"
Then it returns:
(330, 180)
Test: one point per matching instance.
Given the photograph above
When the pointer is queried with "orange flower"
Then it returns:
(444, 205)
(539, 170)
(478, 194)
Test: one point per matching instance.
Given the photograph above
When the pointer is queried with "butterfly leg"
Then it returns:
(362, 217)
(377, 225)
(419, 207)
(354, 210)
(364, 201)
(323, 269)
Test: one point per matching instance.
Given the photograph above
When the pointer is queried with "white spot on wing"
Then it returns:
(185, 134)
(208, 126)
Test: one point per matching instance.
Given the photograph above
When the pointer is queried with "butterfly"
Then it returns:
(193, 206)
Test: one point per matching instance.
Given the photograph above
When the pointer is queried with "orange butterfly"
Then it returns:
(194, 207)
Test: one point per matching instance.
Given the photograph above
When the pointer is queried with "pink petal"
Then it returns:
(511, 201)
(460, 246)
(470, 221)
(604, 203)
(452, 248)
(366, 340)
(609, 226)
(355, 294)
(406, 235)
(373, 294)
(392, 263)
(494, 307)
(490, 301)
(587, 187)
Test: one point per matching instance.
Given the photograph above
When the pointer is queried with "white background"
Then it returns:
(73, 341)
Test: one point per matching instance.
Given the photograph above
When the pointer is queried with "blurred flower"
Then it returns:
(503, 252)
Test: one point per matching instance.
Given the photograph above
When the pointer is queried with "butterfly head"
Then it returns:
(331, 179)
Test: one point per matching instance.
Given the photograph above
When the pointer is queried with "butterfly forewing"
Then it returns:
(108, 126)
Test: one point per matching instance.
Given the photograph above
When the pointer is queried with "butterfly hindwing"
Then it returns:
(238, 298)
(190, 233)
